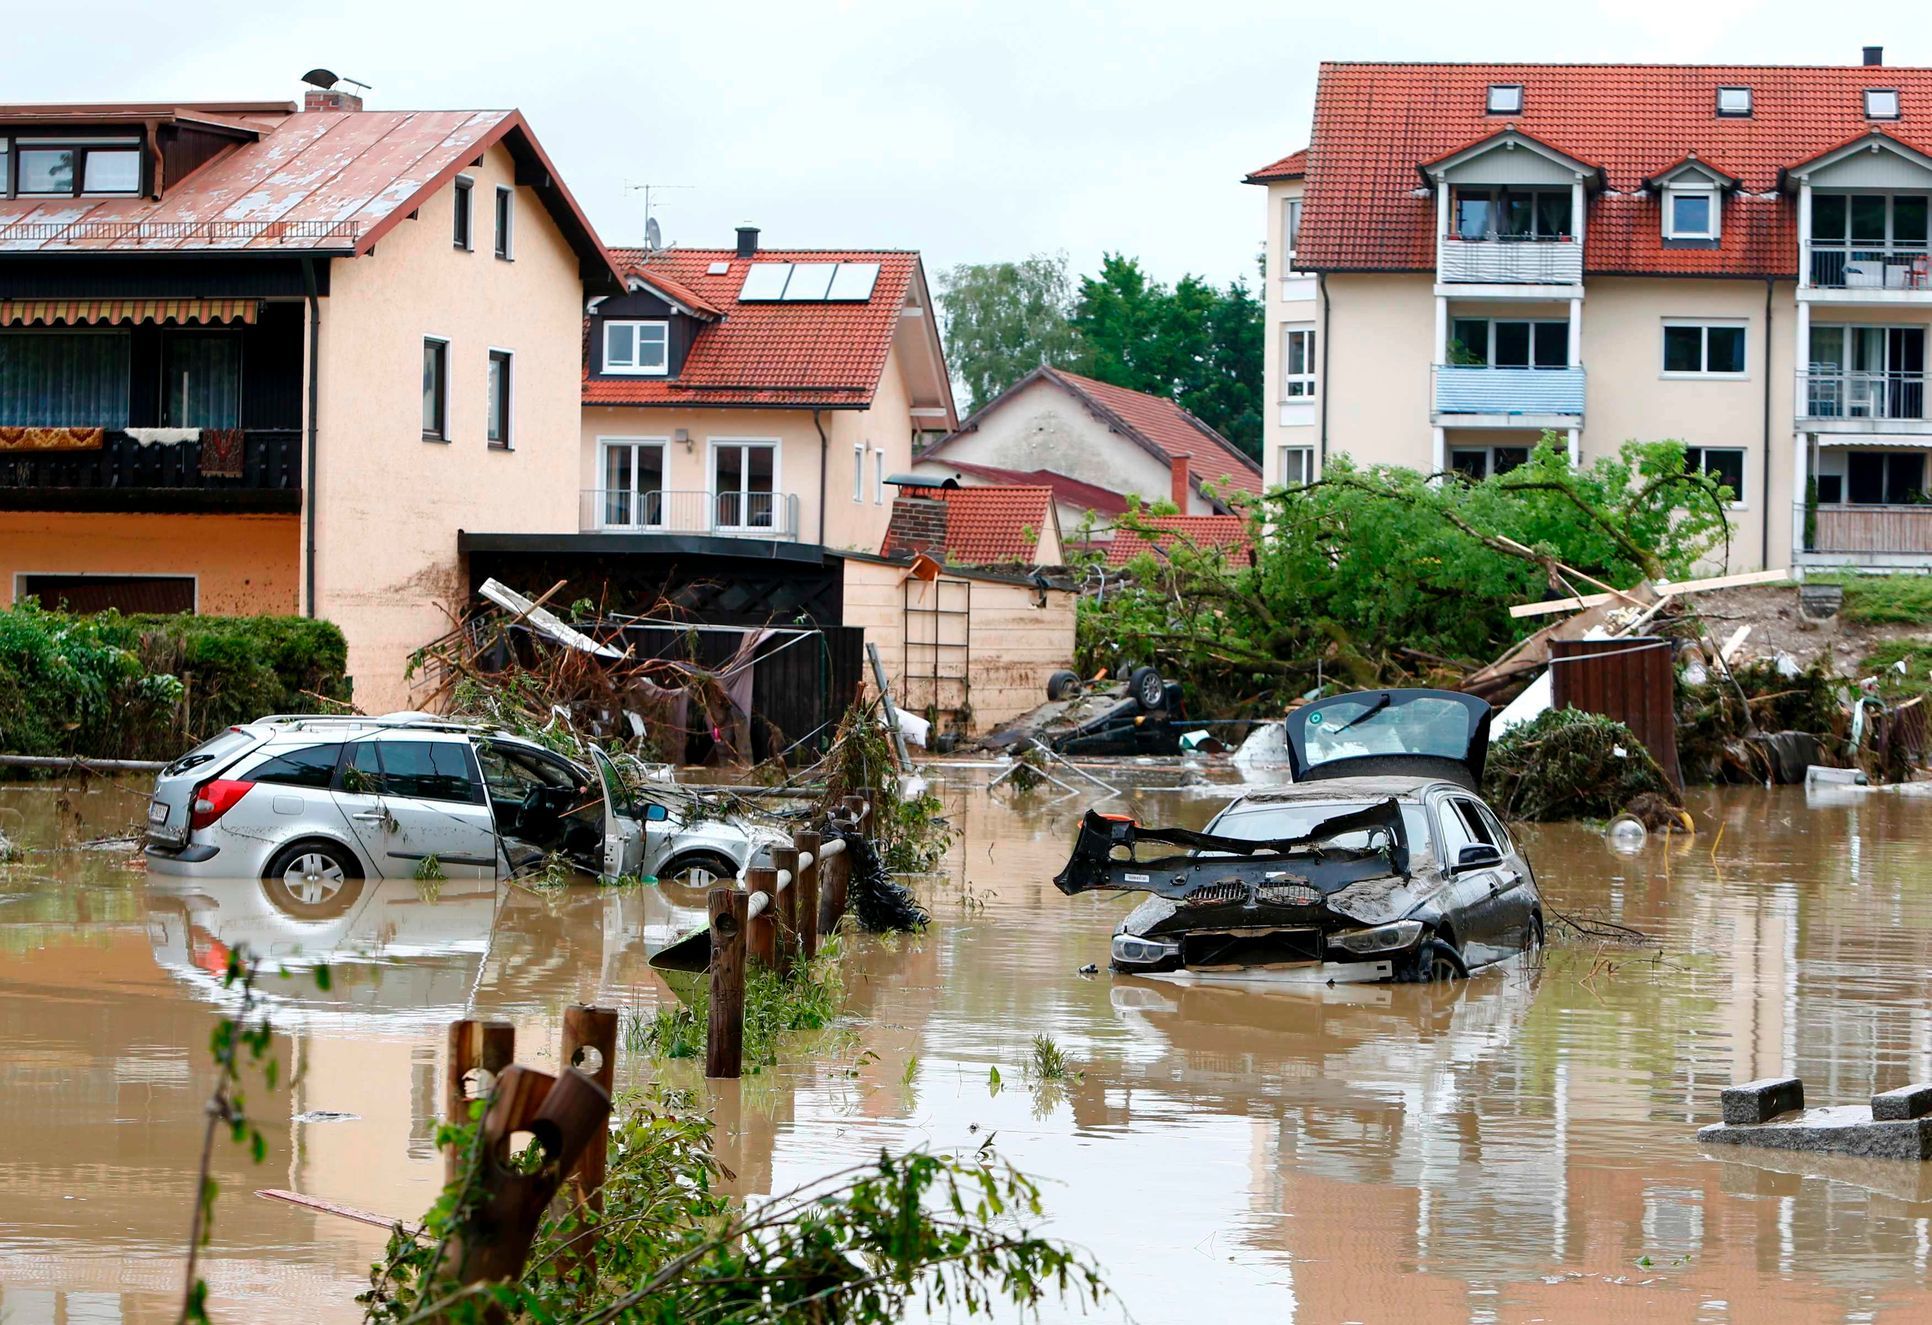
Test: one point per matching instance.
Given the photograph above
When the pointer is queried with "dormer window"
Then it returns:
(637, 349)
(71, 167)
(1734, 101)
(1881, 103)
(1690, 212)
(1505, 99)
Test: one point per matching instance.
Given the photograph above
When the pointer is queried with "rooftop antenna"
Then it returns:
(653, 233)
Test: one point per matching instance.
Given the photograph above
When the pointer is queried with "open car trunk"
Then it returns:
(1378, 733)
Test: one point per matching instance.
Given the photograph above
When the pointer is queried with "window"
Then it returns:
(426, 770)
(632, 496)
(744, 481)
(1290, 228)
(1297, 362)
(1704, 349)
(460, 220)
(1869, 219)
(201, 379)
(1453, 832)
(504, 205)
(129, 594)
(1881, 103)
(1481, 462)
(637, 348)
(1505, 99)
(311, 766)
(878, 476)
(1297, 465)
(1884, 478)
(61, 378)
(1722, 463)
(858, 471)
(498, 433)
(1500, 213)
(1509, 343)
(435, 389)
(1690, 212)
(1734, 101)
(59, 167)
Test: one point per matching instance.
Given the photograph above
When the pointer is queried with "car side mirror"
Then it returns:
(655, 813)
(1478, 855)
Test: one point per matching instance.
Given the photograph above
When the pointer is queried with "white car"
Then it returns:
(312, 804)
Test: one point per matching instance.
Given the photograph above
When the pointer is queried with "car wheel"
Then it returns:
(1063, 684)
(312, 880)
(1435, 962)
(1533, 936)
(699, 869)
(1147, 688)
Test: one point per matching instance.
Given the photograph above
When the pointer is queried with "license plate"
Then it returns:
(157, 812)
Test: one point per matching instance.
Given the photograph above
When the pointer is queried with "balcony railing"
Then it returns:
(1508, 261)
(1870, 266)
(1473, 390)
(125, 472)
(1882, 530)
(1854, 394)
(734, 514)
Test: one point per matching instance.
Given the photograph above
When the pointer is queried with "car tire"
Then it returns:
(698, 869)
(1434, 962)
(1063, 684)
(1147, 689)
(313, 879)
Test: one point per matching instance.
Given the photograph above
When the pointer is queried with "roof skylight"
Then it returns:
(1505, 99)
(1734, 101)
(1881, 103)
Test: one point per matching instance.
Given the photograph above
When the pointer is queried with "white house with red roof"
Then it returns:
(1466, 256)
(757, 394)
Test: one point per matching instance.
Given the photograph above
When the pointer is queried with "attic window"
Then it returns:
(1691, 211)
(1881, 103)
(1505, 98)
(1734, 101)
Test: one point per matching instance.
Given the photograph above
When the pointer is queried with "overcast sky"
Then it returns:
(972, 132)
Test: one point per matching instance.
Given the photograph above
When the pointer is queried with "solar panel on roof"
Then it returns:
(765, 281)
(853, 281)
(810, 281)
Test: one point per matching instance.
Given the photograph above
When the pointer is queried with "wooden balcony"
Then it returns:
(124, 475)
(1887, 531)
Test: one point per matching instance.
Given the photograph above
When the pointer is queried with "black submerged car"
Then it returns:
(1381, 863)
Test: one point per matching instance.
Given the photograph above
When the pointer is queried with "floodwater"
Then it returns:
(1518, 1149)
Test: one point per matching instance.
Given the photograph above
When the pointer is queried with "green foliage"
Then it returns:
(1002, 320)
(1568, 764)
(1049, 1061)
(135, 687)
(1885, 600)
(1896, 686)
(1712, 718)
(808, 999)
(1370, 575)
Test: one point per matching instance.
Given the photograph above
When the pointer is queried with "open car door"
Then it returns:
(623, 830)
(1368, 733)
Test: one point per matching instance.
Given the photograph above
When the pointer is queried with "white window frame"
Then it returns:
(506, 442)
(1489, 450)
(776, 446)
(1490, 323)
(858, 470)
(465, 204)
(605, 445)
(1898, 103)
(503, 223)
(20, 578)
(1489, 99)
(1735, 112)
(636, 326)
(1297, 388)
(1743, 469)
(449, 424)
(1291, 213)
(878, 476)
(1709, 192)
(1704, 349)
(1305, 462)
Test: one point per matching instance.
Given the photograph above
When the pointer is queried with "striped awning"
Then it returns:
(1876, 441)
(82, 312)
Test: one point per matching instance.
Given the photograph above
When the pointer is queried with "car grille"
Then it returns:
(1270, 947)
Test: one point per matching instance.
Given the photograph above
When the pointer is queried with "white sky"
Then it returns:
(971, 131)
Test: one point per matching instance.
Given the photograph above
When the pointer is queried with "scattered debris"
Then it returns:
(1567, 764)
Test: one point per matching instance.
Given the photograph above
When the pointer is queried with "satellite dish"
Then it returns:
(321, 78)
(653, 236)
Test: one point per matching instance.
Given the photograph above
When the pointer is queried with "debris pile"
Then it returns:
(1568, 764)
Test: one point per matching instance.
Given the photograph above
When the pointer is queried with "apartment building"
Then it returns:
(1468, 256)
(262, 358)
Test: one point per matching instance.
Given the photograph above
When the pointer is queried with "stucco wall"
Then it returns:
(1381, 334)
(244, 565)
(1291, 300)
(389, 504)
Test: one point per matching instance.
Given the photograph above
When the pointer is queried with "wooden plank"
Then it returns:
(350, 1212)
(1679, 587)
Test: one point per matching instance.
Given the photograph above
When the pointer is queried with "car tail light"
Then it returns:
(214, 799)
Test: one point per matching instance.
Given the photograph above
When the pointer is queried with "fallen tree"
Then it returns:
(1567, 764)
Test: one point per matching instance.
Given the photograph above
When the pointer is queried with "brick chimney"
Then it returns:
(1180, 491)
(333, 98)
(918, 525)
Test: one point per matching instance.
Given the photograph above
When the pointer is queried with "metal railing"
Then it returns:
(1884, 530)
(1832, 393)
(1476, 389)
(1509, 260)
(1870, 266)
(270, 461)
(737, 514)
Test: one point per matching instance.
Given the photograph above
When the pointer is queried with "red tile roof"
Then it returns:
(982, 526)
(830, 355)
(1292, 166)
(1066, 489)
(1172, 431)
(1202, 531)
(1374, 123)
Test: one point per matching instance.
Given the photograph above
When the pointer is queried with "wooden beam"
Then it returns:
(1664, 586)
(349, 1212)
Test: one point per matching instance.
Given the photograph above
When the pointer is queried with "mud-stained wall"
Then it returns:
(243, 565)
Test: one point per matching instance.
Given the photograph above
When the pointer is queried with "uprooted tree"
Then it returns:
(1376, 575)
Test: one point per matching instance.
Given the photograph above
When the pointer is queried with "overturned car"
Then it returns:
(1380, 863)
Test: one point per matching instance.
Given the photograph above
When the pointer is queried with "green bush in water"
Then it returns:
(1712, 718)
(1568, 764)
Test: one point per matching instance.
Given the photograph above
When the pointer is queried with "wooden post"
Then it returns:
(807, 889)
(490, 1046)
(786, 904)
(591, 1033)
(761, 934)
(833, 885)
(724, 1037)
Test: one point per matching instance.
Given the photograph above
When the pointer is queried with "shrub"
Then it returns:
(1568, 764)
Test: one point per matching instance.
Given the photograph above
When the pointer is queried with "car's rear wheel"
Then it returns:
(699, 869)
(1147, 688)
(1063, 684)
(313, 880)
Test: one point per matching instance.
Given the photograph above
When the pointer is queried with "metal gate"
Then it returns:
(936, 624)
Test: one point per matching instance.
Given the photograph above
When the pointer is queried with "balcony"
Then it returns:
(1476, 396)
(1870, 269)
(1505, 261)
(122, 474)
(1837, 400)
(772, 515)
(1871, 535)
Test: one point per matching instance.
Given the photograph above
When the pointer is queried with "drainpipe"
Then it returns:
(308, 482)
(1764, 471)
(1321, 293)
(824, 447)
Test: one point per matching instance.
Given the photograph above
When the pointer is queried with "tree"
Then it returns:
(1001, 320)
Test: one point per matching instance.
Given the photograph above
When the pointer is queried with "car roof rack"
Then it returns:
(419, 721)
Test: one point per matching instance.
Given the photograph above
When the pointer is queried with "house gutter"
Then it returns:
(824, 447)
(308, 481)
(1321, 292)
(1764, 461)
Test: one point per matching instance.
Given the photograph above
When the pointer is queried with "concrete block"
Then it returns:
(1838, 1130)
(1914, 1101)
(1761, 1101)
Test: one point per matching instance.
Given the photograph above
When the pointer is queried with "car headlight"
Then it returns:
(1142, 952)
(1383, 938)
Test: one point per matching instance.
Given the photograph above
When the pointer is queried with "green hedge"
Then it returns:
(147, 687)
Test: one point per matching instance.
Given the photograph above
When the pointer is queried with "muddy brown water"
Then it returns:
(1519, 1149)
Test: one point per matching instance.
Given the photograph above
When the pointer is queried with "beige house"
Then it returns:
(1736, 257)
(256, 359)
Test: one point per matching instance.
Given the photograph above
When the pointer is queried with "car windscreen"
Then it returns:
(1389, 723)
(1271, 823)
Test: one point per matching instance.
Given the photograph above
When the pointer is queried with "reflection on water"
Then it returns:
(1517, 1148)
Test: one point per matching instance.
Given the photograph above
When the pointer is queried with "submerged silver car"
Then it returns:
(311, 804)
